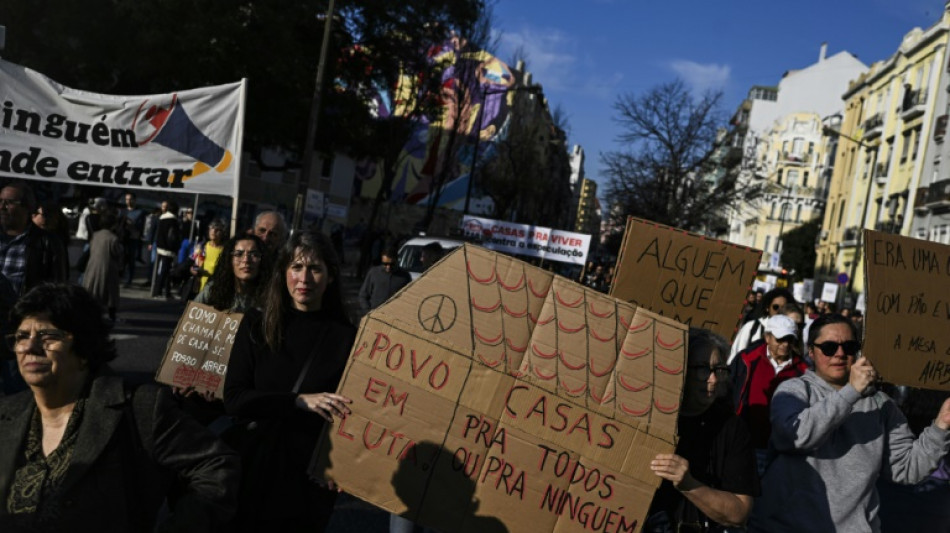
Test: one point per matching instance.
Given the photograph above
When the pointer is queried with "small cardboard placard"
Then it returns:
(829, 292)
(490, 395)
(907, 332)
(693, 279)
(200, 349)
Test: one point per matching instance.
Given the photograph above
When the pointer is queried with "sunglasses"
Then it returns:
(776, 307)
(702, 372)
(389, 264)
(830, 348)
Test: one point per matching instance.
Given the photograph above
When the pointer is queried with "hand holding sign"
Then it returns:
(675, 469)
(324, 404)
(943, 417)
(863, 375)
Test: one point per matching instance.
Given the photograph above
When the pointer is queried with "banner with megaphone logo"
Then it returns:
(187, 141)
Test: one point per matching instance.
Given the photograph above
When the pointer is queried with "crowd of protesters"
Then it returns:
(789, 428)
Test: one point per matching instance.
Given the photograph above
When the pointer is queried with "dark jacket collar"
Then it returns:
(104, 409)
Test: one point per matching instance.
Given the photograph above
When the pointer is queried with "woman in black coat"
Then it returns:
(285, 364)
(82, 451)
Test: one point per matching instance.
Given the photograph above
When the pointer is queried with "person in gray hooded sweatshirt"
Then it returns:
(833, 435)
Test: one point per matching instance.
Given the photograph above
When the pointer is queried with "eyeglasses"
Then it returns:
(830, 348)
(702, 372)
(51, 339)
(252, 255)
(789, 339)
(10, 203)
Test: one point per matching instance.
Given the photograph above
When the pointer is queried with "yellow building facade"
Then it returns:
(791, 159)
(888, 118)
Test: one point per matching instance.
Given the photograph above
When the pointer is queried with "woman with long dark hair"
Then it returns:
(239, 283)
(285, 364)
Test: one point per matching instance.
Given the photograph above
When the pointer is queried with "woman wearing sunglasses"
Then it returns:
(834, 434)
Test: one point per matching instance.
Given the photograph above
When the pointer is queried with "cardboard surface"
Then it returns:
(490, 395)
(200, 349)
(907, 331)
(693, 279)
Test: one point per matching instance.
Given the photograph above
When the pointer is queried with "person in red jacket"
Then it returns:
(757, 372)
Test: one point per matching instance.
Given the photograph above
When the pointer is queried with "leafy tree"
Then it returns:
(798, 249)
(166, 45)
(663, 173)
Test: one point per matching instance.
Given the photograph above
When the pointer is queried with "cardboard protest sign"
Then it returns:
(200, 349)
(829, 292)
(490, 395)
(696, 280)
(908, 310)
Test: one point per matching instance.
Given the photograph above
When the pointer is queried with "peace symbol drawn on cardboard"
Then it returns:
(437, 313)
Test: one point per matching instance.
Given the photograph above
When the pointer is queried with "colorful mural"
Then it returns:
(475, 99)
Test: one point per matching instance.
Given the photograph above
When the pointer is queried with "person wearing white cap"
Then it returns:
(757, 372)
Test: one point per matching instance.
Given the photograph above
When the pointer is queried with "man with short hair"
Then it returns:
(382, 282)
(758, 370)
(772, 304)
(271, 228)
(431, 253)
(133, 225)
(167, 242)
(29, 255)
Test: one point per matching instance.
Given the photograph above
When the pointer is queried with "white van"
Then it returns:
(410, 253)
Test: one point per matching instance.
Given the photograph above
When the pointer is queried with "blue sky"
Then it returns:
(587, 52)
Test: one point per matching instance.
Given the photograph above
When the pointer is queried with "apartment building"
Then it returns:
(888, 125)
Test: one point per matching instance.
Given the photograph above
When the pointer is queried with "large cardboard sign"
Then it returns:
(527, 240)
(696, 280)
(489, 395)
(200, 349)
(907, 332)
(187, 141)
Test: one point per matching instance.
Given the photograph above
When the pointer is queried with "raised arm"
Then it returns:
(798, 425)
(911, 460)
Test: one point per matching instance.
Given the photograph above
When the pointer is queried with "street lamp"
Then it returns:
(533, 89)
(303, 180)
(859, 238)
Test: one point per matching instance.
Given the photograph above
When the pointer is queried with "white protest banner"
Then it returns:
(526, 240)
(187, 141)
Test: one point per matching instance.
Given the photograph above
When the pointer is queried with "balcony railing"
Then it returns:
(920, 198)
(873, 125)
(938, 194)
(913, 104)
(880, 170)
(850, 236)
(797, 157)
(940, 128)
(888, 227)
